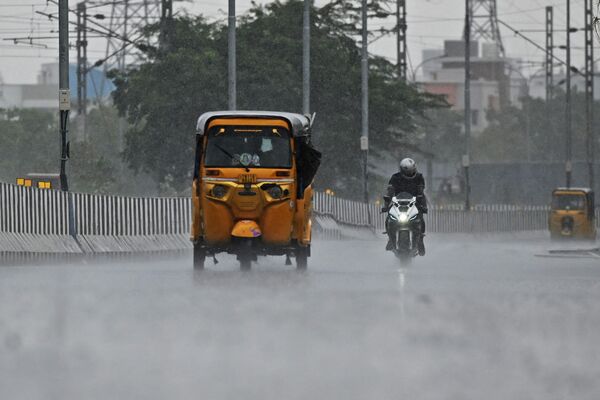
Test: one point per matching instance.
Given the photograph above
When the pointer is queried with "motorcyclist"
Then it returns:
(408, 180)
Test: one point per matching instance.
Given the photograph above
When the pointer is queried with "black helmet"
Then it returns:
(408, 168)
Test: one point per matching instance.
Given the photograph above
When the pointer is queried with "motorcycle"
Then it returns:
(403, 225)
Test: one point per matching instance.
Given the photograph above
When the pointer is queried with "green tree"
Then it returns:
(29, 142)
(28, 139)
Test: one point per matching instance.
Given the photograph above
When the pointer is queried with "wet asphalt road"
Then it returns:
(478, 318)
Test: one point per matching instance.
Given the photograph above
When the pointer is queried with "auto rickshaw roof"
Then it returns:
(299, 124)
(573, 189)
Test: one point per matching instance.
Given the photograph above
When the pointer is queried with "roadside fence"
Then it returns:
(46, 219)
(46, 212)
(442, 219)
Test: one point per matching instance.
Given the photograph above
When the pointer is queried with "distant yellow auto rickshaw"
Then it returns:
(572, 214)
(251, 193)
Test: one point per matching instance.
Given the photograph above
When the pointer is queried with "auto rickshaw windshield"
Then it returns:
(568, 202)
(248, 146)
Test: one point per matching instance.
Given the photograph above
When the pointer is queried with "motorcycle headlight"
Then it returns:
(403, 218)
(275, 192)
(218, 191)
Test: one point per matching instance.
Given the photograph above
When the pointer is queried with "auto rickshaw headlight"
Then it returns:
(218, 191)
(275, 192)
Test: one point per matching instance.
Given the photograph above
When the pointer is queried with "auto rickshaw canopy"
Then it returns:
(299, 124)
(574, 191)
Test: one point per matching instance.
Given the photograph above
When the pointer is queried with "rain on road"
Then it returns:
(477, 318)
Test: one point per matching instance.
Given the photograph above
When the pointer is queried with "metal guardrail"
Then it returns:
(46, 212)
(443, 219)
(35, 211)
(131, 216)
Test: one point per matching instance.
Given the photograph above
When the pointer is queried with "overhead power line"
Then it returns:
(536, 45)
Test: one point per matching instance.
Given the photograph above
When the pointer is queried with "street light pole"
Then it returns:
(231, 52)
(306, 59)
(589, 90)
(422, 63)
(364, 139)
(82, 69)
(64, 93)
(466, 158)
(401, 39)
(568, 163)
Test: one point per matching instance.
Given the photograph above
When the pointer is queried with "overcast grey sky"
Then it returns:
(429, 23)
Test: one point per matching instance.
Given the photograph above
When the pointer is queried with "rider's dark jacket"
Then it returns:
(415, 186)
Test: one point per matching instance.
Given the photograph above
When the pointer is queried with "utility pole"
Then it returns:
(364, 139)
(166, 24)
(306, 58)
(549, 53)
(231, 57)
(64, 94)
(589, 89)
(82, 68)
(568, 163)
(401, 39)
(466, 158)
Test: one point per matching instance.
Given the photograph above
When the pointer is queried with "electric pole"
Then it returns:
(568, 163)
(306, 58)
(166, 24)
(231, 57)
(549, 53)
(401, 39)
(364, 139)
(466, 157)
(64, 94)
(589, 89)
(82, 68)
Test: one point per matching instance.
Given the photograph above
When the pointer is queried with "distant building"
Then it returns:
(43, 95)
(495, 81)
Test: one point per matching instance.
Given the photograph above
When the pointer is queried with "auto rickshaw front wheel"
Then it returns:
(302, 258)
(245, 254)
(199, 256)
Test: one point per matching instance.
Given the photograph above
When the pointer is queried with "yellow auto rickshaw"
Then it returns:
(572, 214)
(251, 193)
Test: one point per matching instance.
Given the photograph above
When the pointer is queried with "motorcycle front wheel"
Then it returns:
(405, 259)
(403, 251)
